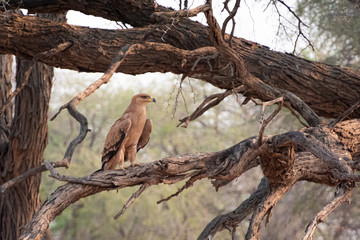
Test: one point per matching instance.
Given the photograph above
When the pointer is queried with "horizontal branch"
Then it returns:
(333, 90)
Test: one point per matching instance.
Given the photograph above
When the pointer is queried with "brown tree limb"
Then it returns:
(183, 13)
(283, 71)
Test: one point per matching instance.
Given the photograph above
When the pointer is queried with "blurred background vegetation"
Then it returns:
(335, 33)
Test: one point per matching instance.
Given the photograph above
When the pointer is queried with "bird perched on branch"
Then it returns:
(128, 134)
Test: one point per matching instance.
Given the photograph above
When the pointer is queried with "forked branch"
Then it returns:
(208, 103)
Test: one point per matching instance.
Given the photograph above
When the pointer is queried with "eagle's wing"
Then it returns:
(114, 138)
(145, 136)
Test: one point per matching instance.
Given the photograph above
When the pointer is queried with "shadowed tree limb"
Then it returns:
(232, 219)
(264, 208)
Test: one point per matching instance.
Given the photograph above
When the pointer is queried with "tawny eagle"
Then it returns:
(128, 134)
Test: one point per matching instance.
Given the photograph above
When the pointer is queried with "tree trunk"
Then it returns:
(27, 142)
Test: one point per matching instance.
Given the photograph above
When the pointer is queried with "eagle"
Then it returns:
(130, 133)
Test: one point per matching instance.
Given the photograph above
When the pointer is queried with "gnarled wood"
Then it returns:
(207, 165)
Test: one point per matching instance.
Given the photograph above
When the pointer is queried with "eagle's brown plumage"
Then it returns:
(128, 134)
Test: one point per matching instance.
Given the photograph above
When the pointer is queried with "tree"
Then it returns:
(335, 29)
(164, 40)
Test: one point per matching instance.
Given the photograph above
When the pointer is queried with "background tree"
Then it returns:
(320, 153)
(335, 30)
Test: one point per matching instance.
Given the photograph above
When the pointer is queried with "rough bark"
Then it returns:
(321, 154)
(216, 166)
(27, 142)
(26, 145)
(328, 90)
(5, 90)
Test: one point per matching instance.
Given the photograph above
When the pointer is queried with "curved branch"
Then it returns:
(71, 106)
(232, 219)
(264, 208)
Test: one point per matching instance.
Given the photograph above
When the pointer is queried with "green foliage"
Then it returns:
(182, 217)
(335, 29)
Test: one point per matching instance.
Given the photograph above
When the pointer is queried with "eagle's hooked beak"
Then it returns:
(154, 100)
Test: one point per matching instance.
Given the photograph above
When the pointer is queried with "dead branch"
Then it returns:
(321, 216)
(232, 219)
(262, 209)
(208, 103)
(133, 197)
(299, 25)
(264, 122)
(182, 13)
(344, 115)
(71, 106)
(196, 176)
(30, 173)
(59, 48)
(230, 17)
(262, 89)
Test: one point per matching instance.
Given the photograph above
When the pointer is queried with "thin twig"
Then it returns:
(71, 106)
(133, 197)
(344, 115)
(29, 173)
(208, 103)
(188, 184)
(265, 122)
(322, 215)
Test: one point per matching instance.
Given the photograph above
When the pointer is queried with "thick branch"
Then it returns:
(232, 219)
(175, 169)
(333, 90)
